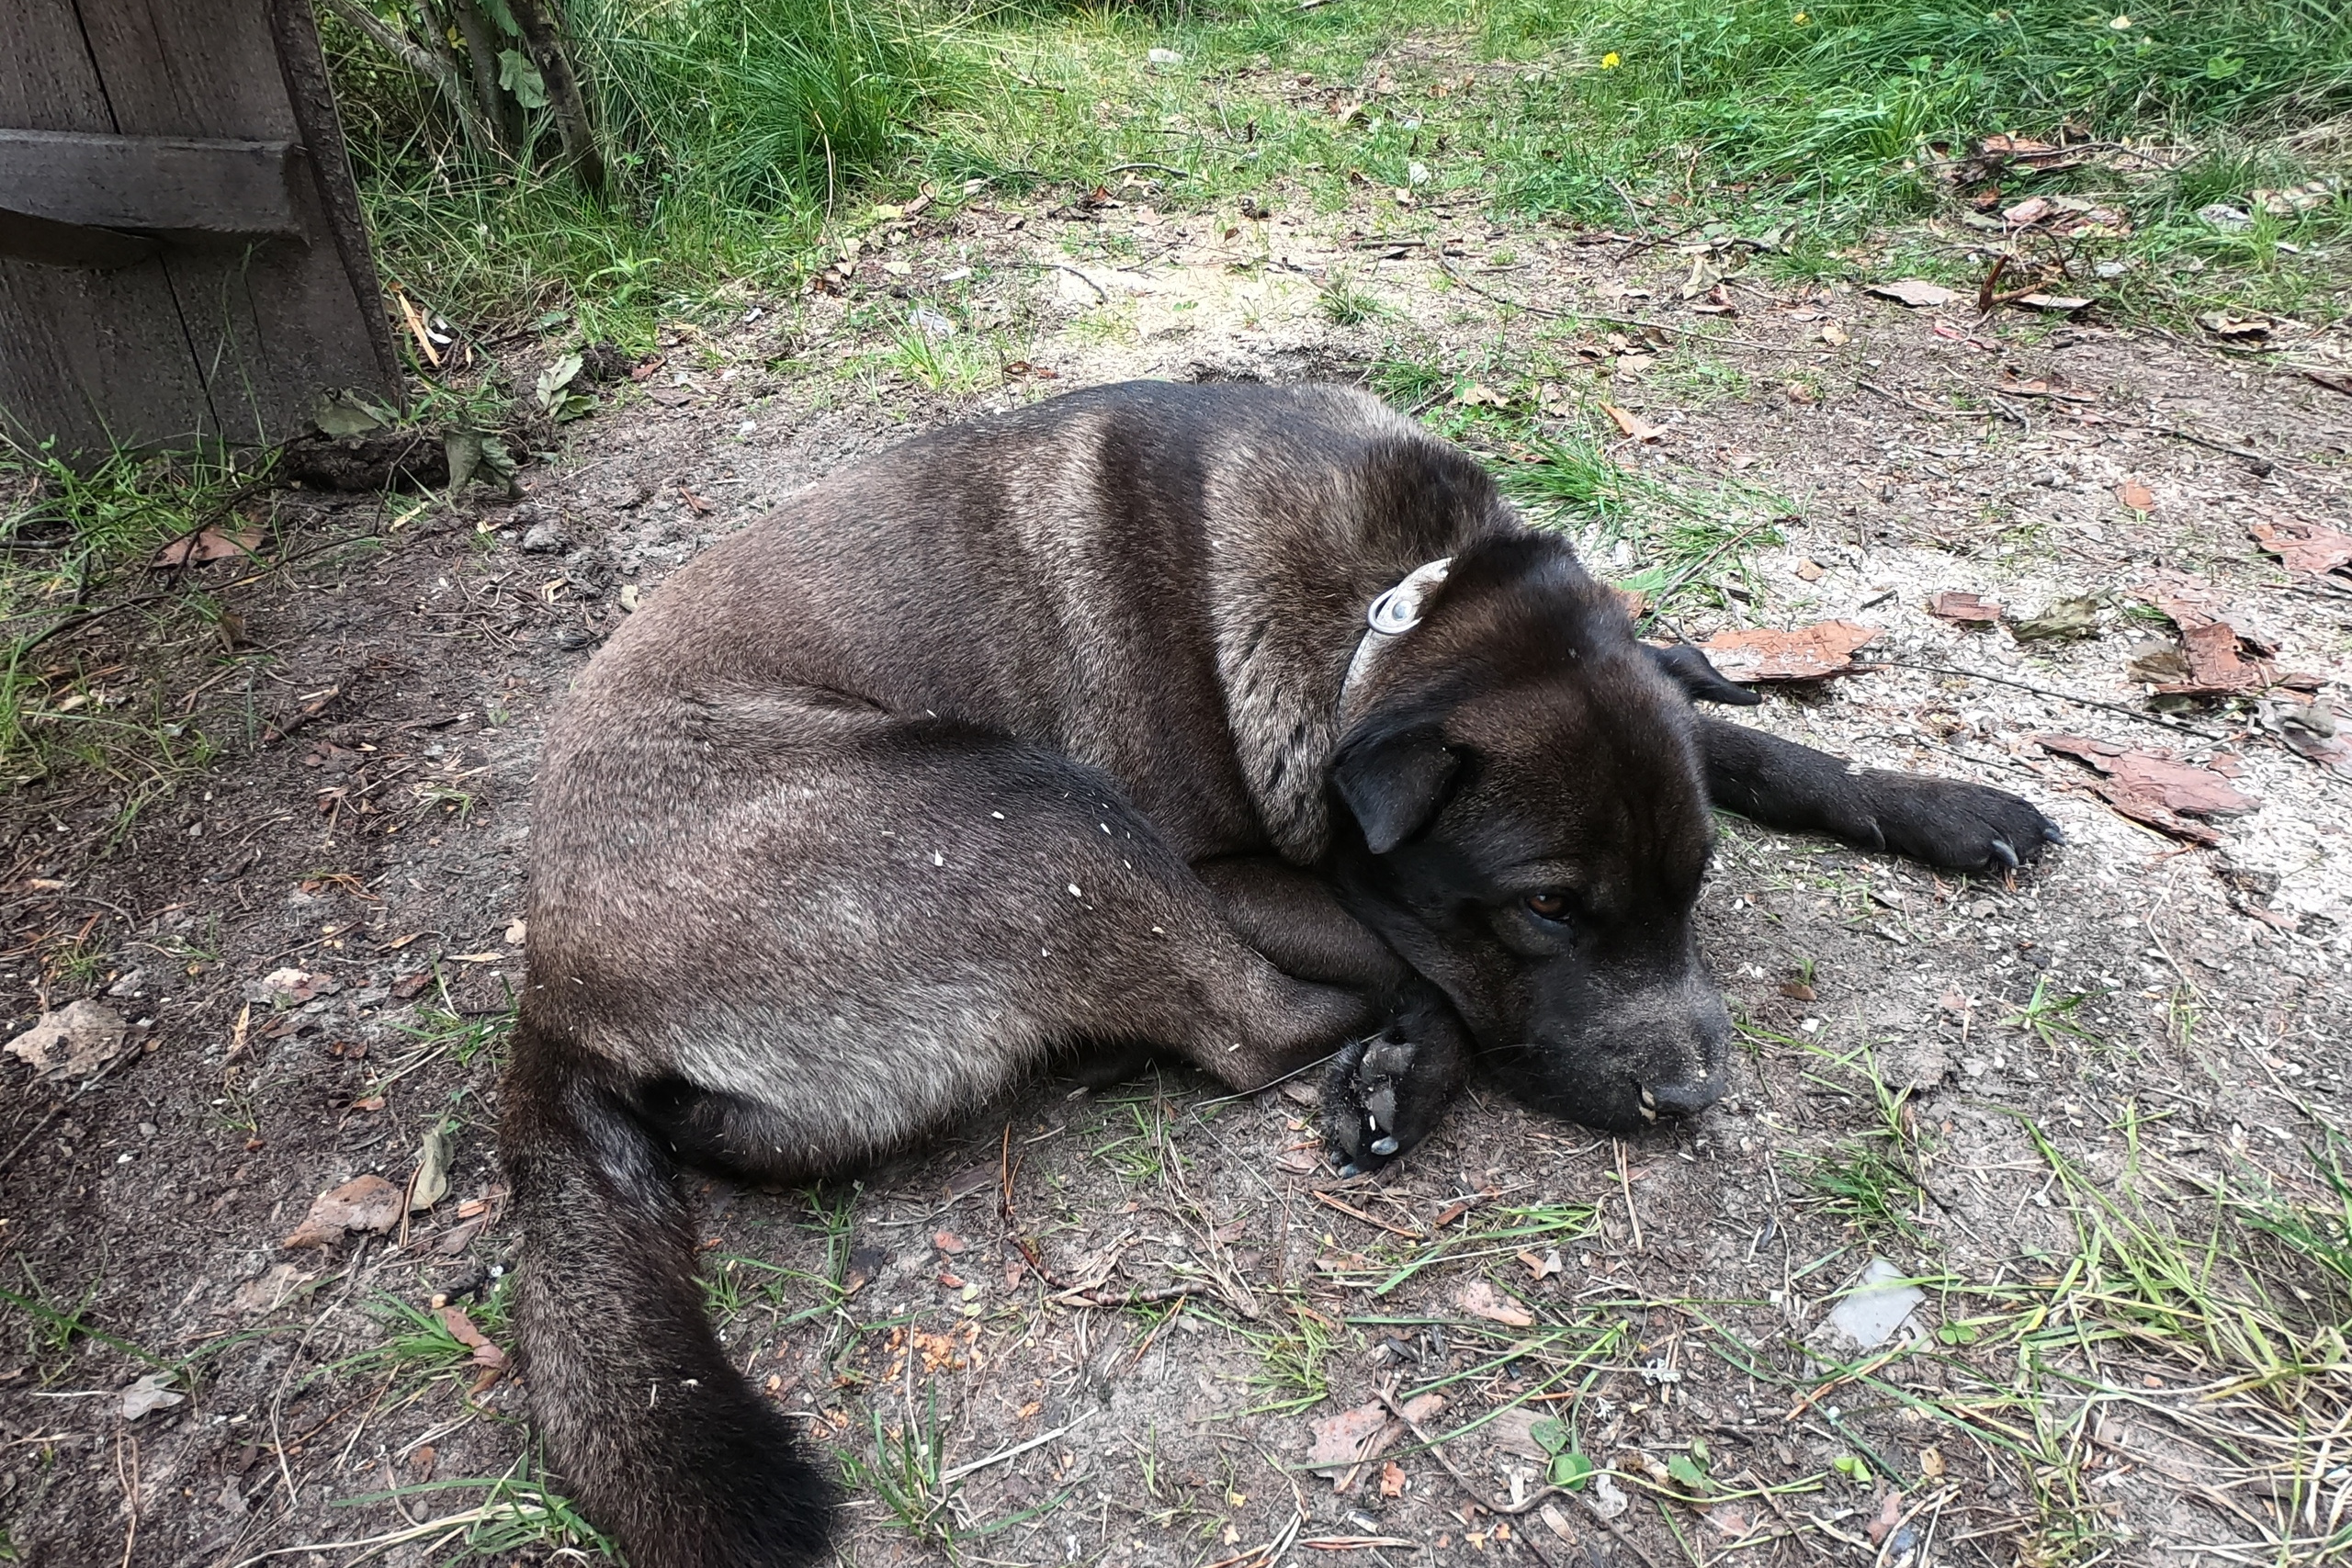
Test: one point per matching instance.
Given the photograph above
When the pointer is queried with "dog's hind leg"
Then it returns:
(806, 955)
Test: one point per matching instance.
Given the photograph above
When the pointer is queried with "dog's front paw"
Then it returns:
(1959, 826)
(1384, 1095)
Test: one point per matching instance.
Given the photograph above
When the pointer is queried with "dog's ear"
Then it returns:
(1394, 784)
(1700, 681)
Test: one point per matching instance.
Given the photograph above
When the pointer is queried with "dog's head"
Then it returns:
(1529, 829)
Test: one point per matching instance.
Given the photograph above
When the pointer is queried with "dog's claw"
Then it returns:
(2005, 856)
(2052, 833)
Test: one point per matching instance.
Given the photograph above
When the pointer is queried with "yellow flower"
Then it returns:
(1610, 62)
(1802, 17)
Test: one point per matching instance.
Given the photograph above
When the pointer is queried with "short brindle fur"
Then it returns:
(1021, 745)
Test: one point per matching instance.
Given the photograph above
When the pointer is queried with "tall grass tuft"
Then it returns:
(734, 127)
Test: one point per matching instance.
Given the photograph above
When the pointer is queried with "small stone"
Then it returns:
(544, 539)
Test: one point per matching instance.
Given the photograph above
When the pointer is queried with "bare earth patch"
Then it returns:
(2074, 1113)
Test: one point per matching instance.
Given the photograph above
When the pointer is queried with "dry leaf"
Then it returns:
(1634, 424)
(2189, 601)
(150, 1393)
(1341, 1441)
(2310, 548)
(432, 1182)
(1931, 1463)
(1479, 396)
(1889, 1514)
(2136, 495)
(1392, 1480)
(1480, 1299)
(461, 1328)
(1970, 609)
(1809, 570)
(2062, 618)
(1833, 335)
(1916, 292)
(2156, 787)
(208, 545)
(1803, 653)
(2214, 667)
(2065, 304)
(365, 1203)
(75, 1041)
(268, 1293)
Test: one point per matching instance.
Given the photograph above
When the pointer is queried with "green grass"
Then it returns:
(1292, 1370)
(734, 127)
(76, 545)
(740, 129)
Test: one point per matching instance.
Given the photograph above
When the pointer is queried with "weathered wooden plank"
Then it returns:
(311, 96)
(263, 326)
(26, 238)
(84, 356)
(185, 187)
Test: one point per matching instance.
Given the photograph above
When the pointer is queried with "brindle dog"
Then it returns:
(1064, 735)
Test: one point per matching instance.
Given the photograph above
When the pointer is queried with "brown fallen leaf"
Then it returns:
(1803, 653)
(949, 1243)
(2156, 787)
(461, 1328)
(1809, 570)
(1634, 424)
(77, 1041)
(363, 1203)
(1916, 292)
(1392, 1480)
(2189, 601)
(1345, 1443)
(1969, 609)
(1889, 1514)
(207, 546)
(2214, 667)
(1931, 1463)
(1480, 1299)
(1797, 991)
(2137, 496)
(1341, 1441)
(2310, 548)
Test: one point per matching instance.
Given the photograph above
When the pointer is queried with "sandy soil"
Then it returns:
(1669, 1294)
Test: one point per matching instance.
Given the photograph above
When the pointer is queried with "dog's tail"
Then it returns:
(647, 1424)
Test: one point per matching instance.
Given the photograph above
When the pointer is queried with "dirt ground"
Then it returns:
(2051, 1103)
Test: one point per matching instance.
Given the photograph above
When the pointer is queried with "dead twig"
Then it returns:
(1546, 311)
(1477, 1495)
(2157, 720)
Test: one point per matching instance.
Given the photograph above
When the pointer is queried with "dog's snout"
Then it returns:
(1683, 1098)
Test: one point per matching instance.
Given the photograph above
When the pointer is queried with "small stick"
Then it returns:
(2046, 692)
(1627, 1181)
(1546, 311)
(1507, 1511)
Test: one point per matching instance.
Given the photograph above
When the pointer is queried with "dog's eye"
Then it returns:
(1548, 905)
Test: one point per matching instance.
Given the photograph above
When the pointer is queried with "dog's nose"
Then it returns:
(1681, 1099)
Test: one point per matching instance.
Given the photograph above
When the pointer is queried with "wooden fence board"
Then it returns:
(229, 341)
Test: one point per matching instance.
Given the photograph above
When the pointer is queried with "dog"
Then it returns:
(1249, 725)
